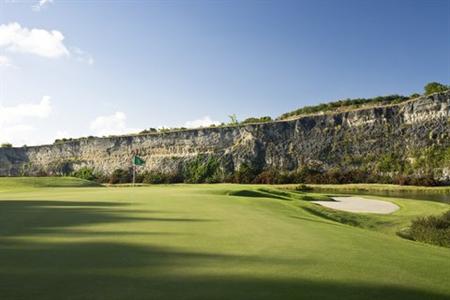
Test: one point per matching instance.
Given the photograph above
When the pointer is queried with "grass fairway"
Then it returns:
(206, 242)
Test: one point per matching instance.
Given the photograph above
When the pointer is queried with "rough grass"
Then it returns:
(368, 187)
(205, 242)
(431, 229)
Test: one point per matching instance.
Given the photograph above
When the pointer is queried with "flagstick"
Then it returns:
(134, 174)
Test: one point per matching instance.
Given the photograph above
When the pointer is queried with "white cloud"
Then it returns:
(111, 125)
(42, 3)
(5, 62)
(15, 38)
(14, 114)
(82, 56)
(14, 121)
(203, 122)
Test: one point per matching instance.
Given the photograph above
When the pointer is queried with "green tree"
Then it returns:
(233, 119)
(435, 87)
(6, 145)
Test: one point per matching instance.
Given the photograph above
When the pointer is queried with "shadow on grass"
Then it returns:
(21, 217)
(256, 194)
(113, 270)
(118, 271)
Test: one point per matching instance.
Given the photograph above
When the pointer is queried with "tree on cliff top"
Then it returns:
(435, 87)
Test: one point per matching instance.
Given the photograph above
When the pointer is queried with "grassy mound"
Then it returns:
(17, 183)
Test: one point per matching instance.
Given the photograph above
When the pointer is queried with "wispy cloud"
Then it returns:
(82, 56)
(15, 38)
(202, 122)
(111, 125)
(41, 4)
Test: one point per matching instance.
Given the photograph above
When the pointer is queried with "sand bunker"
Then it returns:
(360, 205)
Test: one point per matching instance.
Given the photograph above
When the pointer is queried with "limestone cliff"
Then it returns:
(331, 140)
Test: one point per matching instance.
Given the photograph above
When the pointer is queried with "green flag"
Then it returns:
(137, 161)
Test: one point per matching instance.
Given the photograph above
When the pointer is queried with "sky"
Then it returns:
(80, 68)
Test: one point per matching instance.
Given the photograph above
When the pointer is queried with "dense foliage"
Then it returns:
(432, 229)
(430, 88)
(435, 87)
(257, 120)
(202, 169)
(120, 176)
(85, 173)
(345, 104)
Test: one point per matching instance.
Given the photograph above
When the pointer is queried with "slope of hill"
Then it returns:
(411, 138)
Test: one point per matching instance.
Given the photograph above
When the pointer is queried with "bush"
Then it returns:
(345, 103)
(85, 173)
(424, 180)
(120, 176)
(433, 230)
(154, 177)
(268, 177)
(257, 120)
(245, 174)
(303, 188)
(6, 145)
(435, 87)
(202, 169)
(150, 130)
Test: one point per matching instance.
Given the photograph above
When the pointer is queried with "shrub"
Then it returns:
(120, 176)
(432, 229)
(268, 177)
(6, 145)
(202, 169)
(345, 103)
(150, 130)
(63, 140)
(233, 119)
(257, 120)
(435, 87)
(85, 173)
(424, 180)
(245, 174)
(389, 162)
(303, 188)
(154, 177)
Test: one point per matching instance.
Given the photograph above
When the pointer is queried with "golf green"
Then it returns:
(62, 240)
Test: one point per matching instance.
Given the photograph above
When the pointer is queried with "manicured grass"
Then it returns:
(26, 183)
(206, 242)
(378, 187)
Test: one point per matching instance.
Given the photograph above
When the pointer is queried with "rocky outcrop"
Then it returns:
(331, 140)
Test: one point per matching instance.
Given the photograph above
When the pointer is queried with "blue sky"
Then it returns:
(78, 68)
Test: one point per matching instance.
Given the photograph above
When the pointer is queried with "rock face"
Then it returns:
(331, 140)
